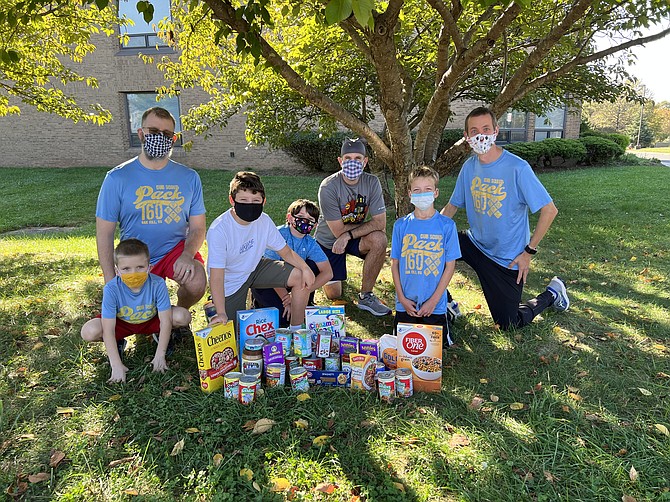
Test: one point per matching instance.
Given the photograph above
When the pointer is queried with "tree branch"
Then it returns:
(449, 23)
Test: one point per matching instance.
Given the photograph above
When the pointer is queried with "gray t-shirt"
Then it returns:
(350, 203)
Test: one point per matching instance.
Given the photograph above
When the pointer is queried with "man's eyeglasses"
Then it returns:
(153, 130)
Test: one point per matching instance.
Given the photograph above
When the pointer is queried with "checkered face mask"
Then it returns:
(352, 169)
(157, 146)
(481, 143)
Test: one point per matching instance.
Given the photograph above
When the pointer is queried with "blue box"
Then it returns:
(257, 323)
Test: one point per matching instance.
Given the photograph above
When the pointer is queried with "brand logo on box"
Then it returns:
(259, 328)
(414, 343)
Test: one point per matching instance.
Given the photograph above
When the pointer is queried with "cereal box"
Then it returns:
(370, 347)
(325, 318)
(257, 323)
(363, 370)
(420, 350)
(216, 352)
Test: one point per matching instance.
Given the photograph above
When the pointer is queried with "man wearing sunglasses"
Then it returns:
(160, 202)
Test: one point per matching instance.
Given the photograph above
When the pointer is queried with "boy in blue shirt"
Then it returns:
(301, 217)
(134, 302)
(424, 250)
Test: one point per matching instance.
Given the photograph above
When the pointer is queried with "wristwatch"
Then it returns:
(529, 250)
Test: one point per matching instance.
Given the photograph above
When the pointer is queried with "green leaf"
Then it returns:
(148, 14)
(337, 11)
(101, 4)
(363, 11)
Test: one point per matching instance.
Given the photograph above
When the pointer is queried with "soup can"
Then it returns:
(332, 363)
(386, 383)
(256, 373)
(298, 378)
(302, 343)
(312, 363)
(231, 384)
(275, 374)
(285, 336)
(403, 382)
(248, 386)
(210, 310)
(379, 367)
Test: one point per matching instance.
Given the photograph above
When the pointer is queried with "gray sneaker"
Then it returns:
(557, 287)
(369, 302)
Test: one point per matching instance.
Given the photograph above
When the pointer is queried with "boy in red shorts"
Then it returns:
(134, 302)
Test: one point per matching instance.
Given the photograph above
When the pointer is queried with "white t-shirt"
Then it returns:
(238, 248)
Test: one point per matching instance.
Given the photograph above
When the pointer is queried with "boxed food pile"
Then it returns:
(419, 349)
(216, 353)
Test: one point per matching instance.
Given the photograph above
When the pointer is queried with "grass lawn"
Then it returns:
(664, 149)
(575, 406)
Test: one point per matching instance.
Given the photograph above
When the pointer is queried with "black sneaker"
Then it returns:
(121, 347)
(177, 335)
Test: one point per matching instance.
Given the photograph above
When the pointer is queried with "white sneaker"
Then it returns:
(557, 287)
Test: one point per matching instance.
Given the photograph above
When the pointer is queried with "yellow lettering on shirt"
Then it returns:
(487, 195)
(159, 204)
(140, 314)
(423, 254)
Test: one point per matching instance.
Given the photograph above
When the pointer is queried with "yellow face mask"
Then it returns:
(135, 280)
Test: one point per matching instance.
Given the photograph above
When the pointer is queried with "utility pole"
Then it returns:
(639, 129)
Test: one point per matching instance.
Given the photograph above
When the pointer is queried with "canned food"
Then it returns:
(210, 310)
(302, 343)
(379, 367)
(386, 383)
(254, 372)
(285, 336)
(248, 385)
(231, 384)
(275, 375)
(404, 383)
(312, 363)
(298, 378)
(332, 363)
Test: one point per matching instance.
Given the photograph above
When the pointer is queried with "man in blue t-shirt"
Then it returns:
(497, 189)
(301, 217)
(160, 202)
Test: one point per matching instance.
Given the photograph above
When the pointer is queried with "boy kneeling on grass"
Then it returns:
(134, 302)
(424, 250)
(237, 240)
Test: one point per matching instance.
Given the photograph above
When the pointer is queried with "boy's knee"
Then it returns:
(90, 332)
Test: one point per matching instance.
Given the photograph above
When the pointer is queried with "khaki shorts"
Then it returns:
(268, 274)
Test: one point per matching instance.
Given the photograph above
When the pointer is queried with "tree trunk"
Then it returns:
(450, 162)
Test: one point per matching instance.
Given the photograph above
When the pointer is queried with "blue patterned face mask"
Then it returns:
(422, 201)
(157, 146)
(352, 169)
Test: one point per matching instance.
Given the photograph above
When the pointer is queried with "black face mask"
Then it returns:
(249, 211)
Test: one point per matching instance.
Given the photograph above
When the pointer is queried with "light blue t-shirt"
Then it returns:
(423, 248)
(151, 205)
(306, 247)
(497, 197)
(118, 301)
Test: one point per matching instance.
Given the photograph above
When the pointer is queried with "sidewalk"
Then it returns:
(663, 157)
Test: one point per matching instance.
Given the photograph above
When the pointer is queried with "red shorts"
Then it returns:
(124, 328)
(165, 266)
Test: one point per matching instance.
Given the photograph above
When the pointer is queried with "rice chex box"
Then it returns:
(257, 323)
(420, 349)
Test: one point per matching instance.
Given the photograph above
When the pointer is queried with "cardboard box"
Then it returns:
(325, 318)
(420, 349)
(216, 353)
(329, 378)
(254, 323)
(363, 370)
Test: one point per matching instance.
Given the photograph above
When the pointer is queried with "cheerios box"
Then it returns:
(325, 318)
(257, 323)
(216, 353)
(419, 348)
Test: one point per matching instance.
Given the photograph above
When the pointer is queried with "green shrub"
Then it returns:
(600, 150)
(550, 153)
(620, 139)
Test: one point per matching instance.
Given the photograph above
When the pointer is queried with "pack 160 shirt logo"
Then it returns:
(159, 204)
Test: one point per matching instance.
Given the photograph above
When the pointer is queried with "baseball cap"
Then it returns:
(355, 145)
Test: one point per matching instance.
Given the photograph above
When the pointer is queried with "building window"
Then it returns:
(142, 34)
(550, 125)
(512, 127)
(138, 103)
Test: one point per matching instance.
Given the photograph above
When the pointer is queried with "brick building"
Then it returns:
(126, 88)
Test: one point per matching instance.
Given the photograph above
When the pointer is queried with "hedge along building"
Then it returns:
(127, 87)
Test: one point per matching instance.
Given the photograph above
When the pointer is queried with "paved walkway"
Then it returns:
(663, 157)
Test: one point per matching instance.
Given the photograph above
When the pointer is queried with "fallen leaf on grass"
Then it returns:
(56, 458)
(633, 258)
(325, 488)
(39, 477)
(256, 486)
(301, 423)
(661, 374)
(628, 498)
(120, 461)
(177, 448)
(582, 374)
(633, 474)
(249, 425)
(38, 345)
(28, 437)
(218, 458)
(303, 397)
(115, 397)
(247, 474)
(550, 477)
(193, 430)
(339, 302)
(478, 306)
(516, 406)
(483, 380)
(64, 410)
(181, 388)
(280, 484)
(644, 392)
(494, 398)
(574, 396)
(320, 440)
(565, 408)
(662, 429)
(263, 425)
(131, 491)
(399, 486)
(458, 440)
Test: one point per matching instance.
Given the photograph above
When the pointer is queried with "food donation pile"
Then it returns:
(319, 355)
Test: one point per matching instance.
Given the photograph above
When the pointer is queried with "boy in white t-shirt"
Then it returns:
(236, 243)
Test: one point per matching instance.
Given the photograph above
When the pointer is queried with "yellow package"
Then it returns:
(216, 352)
(363, 369)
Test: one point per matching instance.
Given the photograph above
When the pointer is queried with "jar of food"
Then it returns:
(252, 355)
